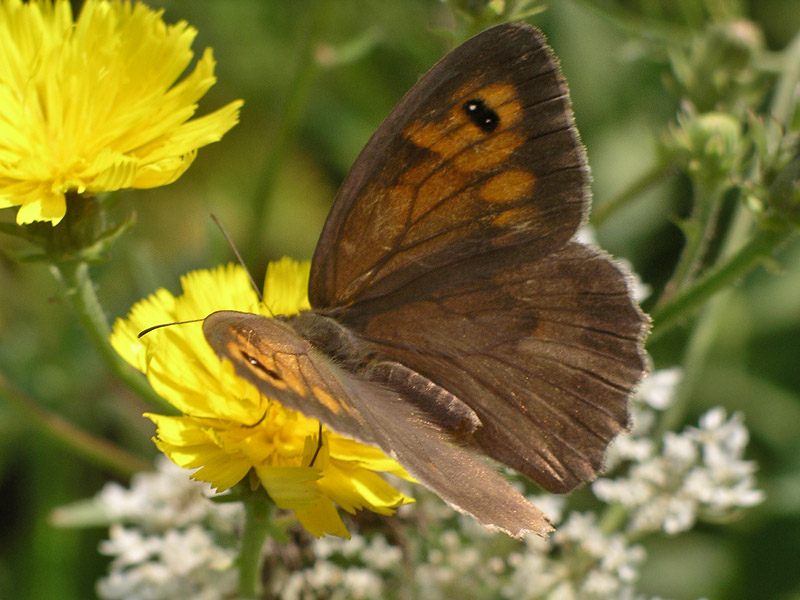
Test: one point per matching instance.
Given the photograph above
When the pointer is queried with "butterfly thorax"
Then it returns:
(358, 356)
(332, 339)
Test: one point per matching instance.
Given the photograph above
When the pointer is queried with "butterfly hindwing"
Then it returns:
(545, 352)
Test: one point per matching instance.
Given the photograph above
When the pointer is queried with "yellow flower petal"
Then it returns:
(228, 427)
(95, 105)
(290, 487)
(322, 519)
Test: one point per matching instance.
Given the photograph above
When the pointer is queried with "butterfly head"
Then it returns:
(257, 345)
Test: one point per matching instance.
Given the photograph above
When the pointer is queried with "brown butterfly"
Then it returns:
(454, 315)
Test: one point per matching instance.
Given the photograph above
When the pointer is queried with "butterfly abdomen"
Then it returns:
(359, 357)
(443, 408)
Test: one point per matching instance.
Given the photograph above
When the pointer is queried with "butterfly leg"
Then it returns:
(319, 446)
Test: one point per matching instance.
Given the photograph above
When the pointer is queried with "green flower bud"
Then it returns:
(784, 193)
(708, 145)
(718, 68)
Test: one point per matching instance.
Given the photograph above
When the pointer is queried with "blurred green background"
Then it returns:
(273, 207)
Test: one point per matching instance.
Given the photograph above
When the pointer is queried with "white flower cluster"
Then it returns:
(167, 499)
(579, 561)
(696, 474)
(182, 563)
(167, 539)
(170, 541)
(358, 568)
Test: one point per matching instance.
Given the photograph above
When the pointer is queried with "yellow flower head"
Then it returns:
(227, 427)
(93, 105)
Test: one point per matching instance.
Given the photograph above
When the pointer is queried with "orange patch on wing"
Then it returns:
(456, 141)
(326, 399)
(510, 114)
(500, 97)
(267, 362)
(294, 384)
(471, 89)
(490, 152)
(494, 94)
(442, 184)
(436, 136)
(521, 216)
(449, 138)
(508, 186)
(456, 131)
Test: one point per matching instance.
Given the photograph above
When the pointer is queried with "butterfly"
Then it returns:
(454, 316)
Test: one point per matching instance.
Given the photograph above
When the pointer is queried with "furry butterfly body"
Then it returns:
(453, 316)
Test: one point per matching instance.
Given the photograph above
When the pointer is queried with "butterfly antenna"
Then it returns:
(154, 327)
(238, 257)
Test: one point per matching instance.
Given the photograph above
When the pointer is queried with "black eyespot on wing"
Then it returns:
(254, 362)
(480, 114)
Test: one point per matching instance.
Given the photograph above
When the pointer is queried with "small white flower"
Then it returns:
(168, 547)
(600, 584)
(628, 448)
(658, 389)
(680, 514)
(699, 473)
(680, 450)
(362, 583)
(180, 564)
(166, 498)
(324, 574)
(380, 555)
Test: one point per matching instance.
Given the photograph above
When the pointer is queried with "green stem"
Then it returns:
(637, 25)
(258, 512)
(700, 342)
(94, 449)
(698, 231)
(785, 97)
(288, 118)
(613, 519)
(603, 211)
(736, 259)
(761, 246)
(739, 259)
(80, 288)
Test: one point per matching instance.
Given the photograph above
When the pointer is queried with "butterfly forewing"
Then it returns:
(482, 153)
(285, 367)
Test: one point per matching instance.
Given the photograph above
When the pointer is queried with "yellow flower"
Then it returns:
(227, 427)
(93, 105)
